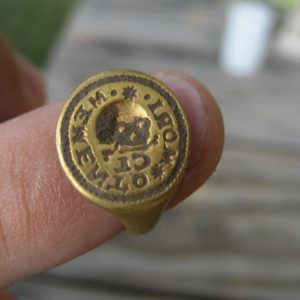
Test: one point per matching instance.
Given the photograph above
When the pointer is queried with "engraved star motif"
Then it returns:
(157, 171)
(129, 92)
(168, 155)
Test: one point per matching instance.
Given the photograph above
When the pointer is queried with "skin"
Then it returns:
(44, 221)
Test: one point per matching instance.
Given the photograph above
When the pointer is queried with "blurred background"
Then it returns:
(239, 236)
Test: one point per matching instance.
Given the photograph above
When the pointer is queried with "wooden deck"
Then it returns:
(239, 236)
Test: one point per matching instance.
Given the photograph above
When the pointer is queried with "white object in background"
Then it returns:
(246, 35)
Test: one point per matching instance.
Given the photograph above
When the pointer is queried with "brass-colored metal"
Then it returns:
(123, 141)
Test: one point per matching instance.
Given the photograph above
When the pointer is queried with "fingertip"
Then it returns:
(207, 129)
(7, 296)
(33, 81)
(21, 84)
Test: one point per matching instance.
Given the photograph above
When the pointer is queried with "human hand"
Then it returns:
(44, 221)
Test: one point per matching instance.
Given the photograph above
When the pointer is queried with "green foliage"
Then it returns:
(32, 26)
(286, 4)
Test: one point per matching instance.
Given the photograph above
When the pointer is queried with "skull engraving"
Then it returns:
(124, 134)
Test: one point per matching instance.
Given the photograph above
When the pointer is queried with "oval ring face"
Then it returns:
(123, 137)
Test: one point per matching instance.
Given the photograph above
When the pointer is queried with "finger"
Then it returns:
(6, 296)
(21, 85)
(44, 221)
(207, 129)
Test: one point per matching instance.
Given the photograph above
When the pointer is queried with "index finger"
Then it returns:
(44, 221)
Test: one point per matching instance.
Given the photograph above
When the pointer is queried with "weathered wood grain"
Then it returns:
(239, 236)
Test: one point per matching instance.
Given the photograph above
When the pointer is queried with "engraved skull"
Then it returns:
(124, 132)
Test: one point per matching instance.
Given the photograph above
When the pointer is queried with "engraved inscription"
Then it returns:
(163, 118)
(124, 138)
(124, 135)
(96, 175)
(85, 156)
(139, 180)
(82, 115)
(78, 134)
(98, 99)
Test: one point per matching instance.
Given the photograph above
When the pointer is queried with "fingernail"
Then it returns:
(191, 98)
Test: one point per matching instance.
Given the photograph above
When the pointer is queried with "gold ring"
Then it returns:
(123, 141)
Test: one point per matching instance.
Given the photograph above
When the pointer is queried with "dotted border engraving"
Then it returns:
(183, 139)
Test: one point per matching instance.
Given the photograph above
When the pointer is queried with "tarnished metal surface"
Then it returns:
(123, 141)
